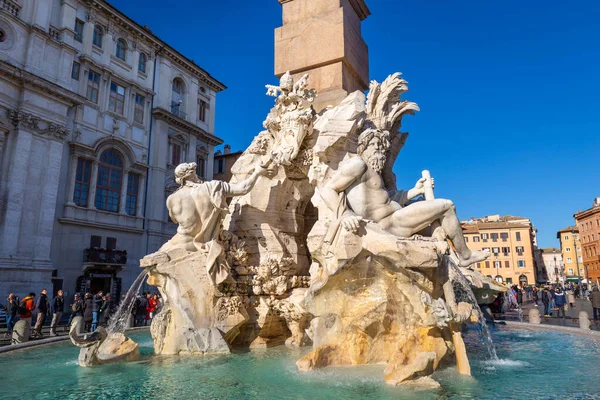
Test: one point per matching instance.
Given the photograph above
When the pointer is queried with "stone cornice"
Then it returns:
(122, 21)
(167, 116)
(23, 77)
(359, 6)
(35, 124)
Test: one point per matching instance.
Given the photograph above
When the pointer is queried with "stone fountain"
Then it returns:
(317, 246)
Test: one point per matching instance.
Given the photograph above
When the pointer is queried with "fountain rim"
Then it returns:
(51, 340)
(556, 328)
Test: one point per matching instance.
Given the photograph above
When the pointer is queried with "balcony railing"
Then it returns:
(54, 33)
(106, 256)
(10, 6)
(176, 110)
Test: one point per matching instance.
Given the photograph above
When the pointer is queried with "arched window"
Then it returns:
(177, 98)
(108, 186)
(121, 49)
(142, 63)
(98, 34)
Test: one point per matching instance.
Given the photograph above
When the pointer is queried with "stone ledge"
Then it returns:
(50, 340)
(565, 329)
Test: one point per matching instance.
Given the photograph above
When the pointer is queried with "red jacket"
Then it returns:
(29, 305)
(150, 307)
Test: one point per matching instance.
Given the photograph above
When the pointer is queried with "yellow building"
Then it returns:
(510, 240)
(570, 248)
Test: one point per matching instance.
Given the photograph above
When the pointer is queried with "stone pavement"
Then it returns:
(572, 319)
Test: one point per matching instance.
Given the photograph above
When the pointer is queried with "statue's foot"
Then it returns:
(476, 256)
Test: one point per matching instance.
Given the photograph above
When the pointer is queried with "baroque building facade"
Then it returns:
(95, 112)
(512, 243)
(588, 224)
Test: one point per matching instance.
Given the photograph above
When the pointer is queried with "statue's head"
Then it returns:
(373, 146)
(186, 172)
(286, 83)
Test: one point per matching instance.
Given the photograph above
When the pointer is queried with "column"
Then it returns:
(93, 183)
(71, 183)
(123, 198)
(135, 59)
(141, 196)
(17, 177)
(108, 46)
(88, 34)
(49, 189)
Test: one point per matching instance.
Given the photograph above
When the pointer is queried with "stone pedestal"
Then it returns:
(21, 331)
(323, 38)
(584, 320)
(534, 316)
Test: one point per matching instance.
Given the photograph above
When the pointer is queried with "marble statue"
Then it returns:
(101, 347)
(323, 250)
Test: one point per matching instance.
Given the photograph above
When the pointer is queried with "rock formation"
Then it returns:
(322, 249)
(102, 347)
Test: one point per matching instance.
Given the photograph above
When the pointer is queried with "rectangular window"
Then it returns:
(478, 265)
(570, 271)
(200, 166)
(520, 250)
(518, 234)
(95, 241)
(132, 194)
(567, 249)
(111, 243)
(138, 115)
(82, 182)
(496, 250)
(569, 260)
(507, 264)
(484, 237)
(476, 239)
(466, 239)
(93, 86)
(75, 70)
(202, 107)
(521, 263)
(116, 102)
(494, 237)
(504, 236)
(505, 250)
(79, 30)
(566, 237)
(175, 154)
(220, 166)
(497, 264)
(487, 264)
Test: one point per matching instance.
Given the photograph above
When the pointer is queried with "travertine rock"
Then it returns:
(101, 347)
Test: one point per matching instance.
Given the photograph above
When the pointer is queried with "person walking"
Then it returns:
(150, 308)
(58, 306)
(87, 311)
(42, 307)
(97, 301)
(26, 306)
(105, 309)
(547, 302)
(11, 313)
(534, 295)
(596, 304)
(76, 309)
(560, 301)
(141, 303)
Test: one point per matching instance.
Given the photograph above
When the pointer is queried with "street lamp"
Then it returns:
(555, 270)
(577, 263)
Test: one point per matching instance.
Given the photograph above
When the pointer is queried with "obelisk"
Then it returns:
(323, 38)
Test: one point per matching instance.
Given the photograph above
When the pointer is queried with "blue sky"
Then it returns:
(509, 91)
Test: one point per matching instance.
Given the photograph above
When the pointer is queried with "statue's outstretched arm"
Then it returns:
(245, 186)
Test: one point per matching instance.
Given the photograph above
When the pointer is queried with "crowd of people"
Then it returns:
(556, 299)
(95, 309)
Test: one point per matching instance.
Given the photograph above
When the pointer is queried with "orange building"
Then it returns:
(588, 222)
(510, 240)
(570, 247)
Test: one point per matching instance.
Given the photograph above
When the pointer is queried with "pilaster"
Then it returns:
(93, 183)
(71, 183)
(123, 197)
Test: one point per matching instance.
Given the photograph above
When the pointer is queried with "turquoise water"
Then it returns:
(534, 365)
